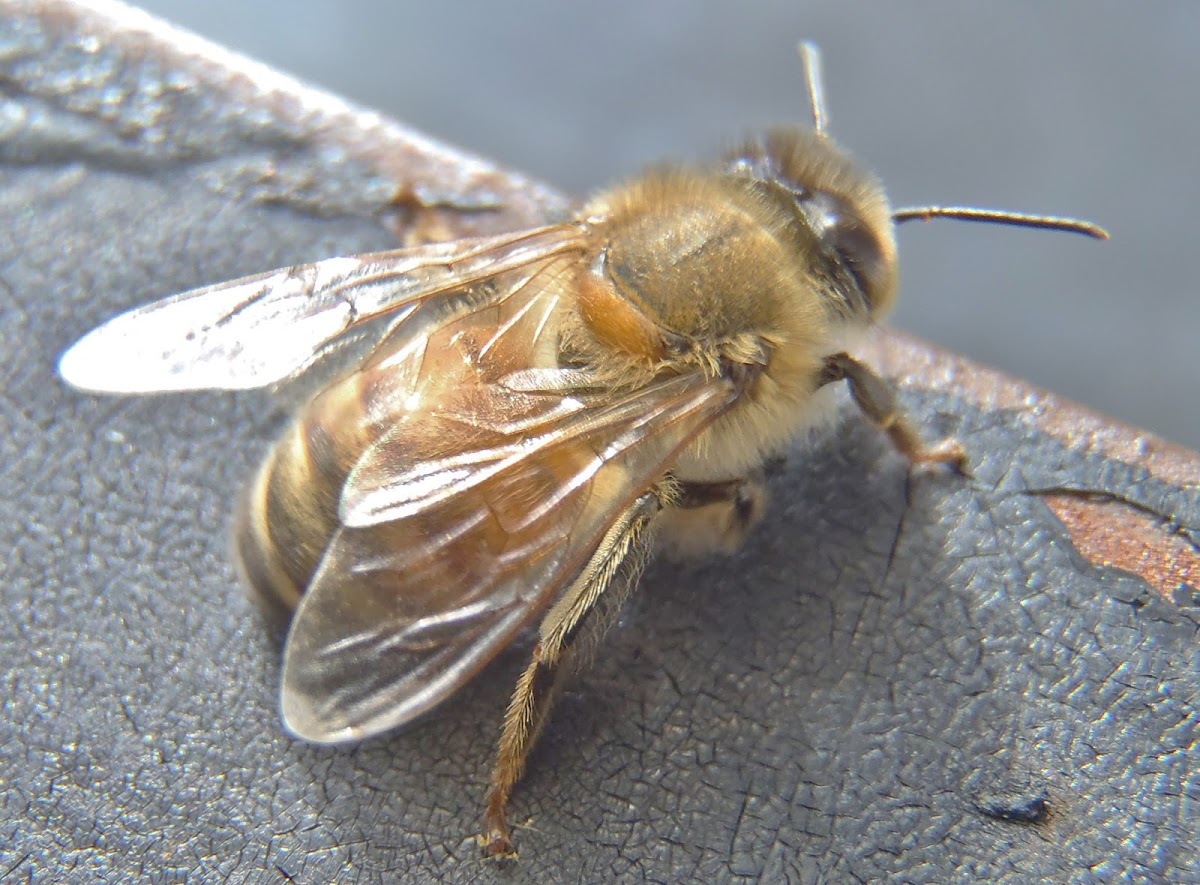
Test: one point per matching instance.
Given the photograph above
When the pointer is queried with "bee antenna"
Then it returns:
(1000, 216)
(811, 57)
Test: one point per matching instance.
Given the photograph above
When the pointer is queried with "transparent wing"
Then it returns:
(486, 495)
(262, 329)
(402, 613)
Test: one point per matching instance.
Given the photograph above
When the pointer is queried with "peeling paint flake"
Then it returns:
(1112, 533)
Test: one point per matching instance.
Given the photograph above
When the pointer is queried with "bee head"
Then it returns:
(842, 206)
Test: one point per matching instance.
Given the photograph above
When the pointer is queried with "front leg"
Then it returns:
(569, 633)
(877, 399)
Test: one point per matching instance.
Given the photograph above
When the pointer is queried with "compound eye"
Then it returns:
(844, 232)
(863, 257)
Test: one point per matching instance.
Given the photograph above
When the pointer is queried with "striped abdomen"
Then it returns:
(291, 509)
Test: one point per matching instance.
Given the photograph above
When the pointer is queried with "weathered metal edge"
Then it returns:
(408, 156)
(428, 173)
(450, 187)
(914, 363)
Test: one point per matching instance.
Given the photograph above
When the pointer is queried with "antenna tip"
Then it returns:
(811, 57)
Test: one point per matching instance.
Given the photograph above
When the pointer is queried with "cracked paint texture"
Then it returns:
(925, 677)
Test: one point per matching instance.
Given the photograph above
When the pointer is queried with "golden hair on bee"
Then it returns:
(533, 413)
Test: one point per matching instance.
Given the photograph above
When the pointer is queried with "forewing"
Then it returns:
(470, 515)
(262, 329)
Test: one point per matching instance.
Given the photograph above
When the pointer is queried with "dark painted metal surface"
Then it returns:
(924, 677)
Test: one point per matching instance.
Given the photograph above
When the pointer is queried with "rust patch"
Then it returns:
(912, 362)
(1113, 534)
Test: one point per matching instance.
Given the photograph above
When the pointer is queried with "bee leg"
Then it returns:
(877, 399)
(569, 633)
(711, 516)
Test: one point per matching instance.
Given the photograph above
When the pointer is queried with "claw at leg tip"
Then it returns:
(499, 847)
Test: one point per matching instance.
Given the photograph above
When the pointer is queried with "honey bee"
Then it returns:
(539, 408)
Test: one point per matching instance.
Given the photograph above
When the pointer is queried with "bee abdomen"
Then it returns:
(290, 512)
(261, 567)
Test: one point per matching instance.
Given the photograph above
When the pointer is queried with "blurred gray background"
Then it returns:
(1083, 108)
